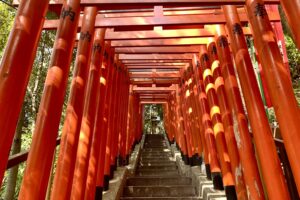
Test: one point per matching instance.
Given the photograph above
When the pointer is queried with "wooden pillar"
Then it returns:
(210, 140)
(113, 126)
(120, 110)
(242, 134)
(278, 82)
(175, 120)
(17, 64)
(262, 133)
(97, 134)
(218, 127)
(205, 152)
(111, 105)
(39, 161)
(92, 94)
(180, 126)
(195, 115)
(292, 13)
(70, 133)
(186, 121)
(114, 121)
(128, 123)
(124, 122)
(122, 154)
(166, 118)
(190, 120)
(106, 67)
(227, 120)
(195, 97)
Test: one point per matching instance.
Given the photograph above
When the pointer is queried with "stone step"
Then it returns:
(156, 142)
(161, 198)
(210, 194)
(143, 164)
(155, 146)
(155, 159)
(157, 176)
(159, 191)
(156, 155)
(159, 167)
(162, 155)
(156, 150)
(143, 170)
(156, 163)
(157, 173)
(150, 136)
(143, 181)
(166, 156)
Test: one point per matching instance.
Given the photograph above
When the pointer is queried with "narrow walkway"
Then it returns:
(157, 176)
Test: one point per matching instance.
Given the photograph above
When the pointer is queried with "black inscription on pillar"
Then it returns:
(237, 29)
(119, 69)
(111, 59)
(115, 66)
(105, 55)
(190, 69)
(214, 50)
(198, 64)
(223, 42)
(204, 59)
(185, 74)
(68, 13)
(97, 47)
(260, 10)
(85, 36)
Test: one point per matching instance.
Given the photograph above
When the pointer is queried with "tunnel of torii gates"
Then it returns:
(188, 56)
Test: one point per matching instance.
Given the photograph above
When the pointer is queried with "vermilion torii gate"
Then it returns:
(182, 54)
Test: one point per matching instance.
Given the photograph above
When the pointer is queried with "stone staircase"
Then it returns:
(157, 175)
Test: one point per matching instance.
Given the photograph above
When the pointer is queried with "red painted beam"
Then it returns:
(160, 42)
(154, 61)
(154, 75)
(159, 34)
(169, 50)
(155, 56)
(125, 4)
(154, 67)
(174, 64)
(154, 102)
(150, 82)
(130, 22)
(153, 89)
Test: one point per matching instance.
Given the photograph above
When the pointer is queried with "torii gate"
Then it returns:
(175, 52)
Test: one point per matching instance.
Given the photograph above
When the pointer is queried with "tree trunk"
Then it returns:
(16, 148)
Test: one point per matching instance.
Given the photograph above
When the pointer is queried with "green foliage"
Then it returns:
(153, 111)
(7, 15)
(294, 59)
(35, 86)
